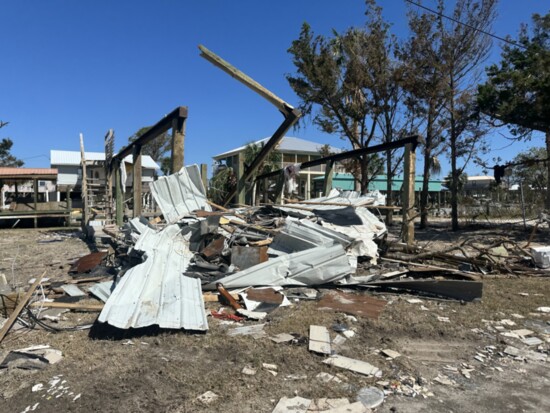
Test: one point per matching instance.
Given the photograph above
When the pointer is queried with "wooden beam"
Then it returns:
(70, 306)
(160, 127)
(119, 202)
(327, 185)
(235, 73)
(178, 144)
(20, 307)
(204, 176)
(137, 181)
(413, 140)
(271, 144)
(84, 188)
(408, 194)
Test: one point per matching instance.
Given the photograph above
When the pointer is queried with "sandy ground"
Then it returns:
(167, 371)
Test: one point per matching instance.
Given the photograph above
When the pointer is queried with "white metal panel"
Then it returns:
(180, 193)
(156, 292)
(314, 266)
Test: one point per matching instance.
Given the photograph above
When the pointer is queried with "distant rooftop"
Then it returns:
(30, 173)
(73, 158)
(287, 144)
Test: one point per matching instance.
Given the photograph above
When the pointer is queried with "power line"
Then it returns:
(502, 39)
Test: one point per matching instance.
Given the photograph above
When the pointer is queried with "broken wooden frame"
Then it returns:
(175, 120)
(409, 143)
(290, 114)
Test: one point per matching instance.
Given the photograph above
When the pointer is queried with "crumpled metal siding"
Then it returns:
(155, 292)
(180, 193)
(314, 266)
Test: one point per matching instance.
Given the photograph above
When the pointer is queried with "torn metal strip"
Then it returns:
(316, 266)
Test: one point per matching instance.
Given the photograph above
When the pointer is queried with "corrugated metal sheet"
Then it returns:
(314, 266)
(180, 193)
(299, 235)
(73, 158)
(156, 292)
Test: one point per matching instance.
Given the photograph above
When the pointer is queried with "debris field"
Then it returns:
(302, 307)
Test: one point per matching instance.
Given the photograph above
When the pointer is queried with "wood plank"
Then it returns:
(235, 73)
(70, 306)
(20, 307)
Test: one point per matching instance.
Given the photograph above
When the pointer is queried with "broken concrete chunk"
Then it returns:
(358, 366)
(294, 405)
(319, 340)
(282, 338)
(511, 351)
(326, 377)
(543, 309)
(391, 353)
(249, 371)
(532, 341)
(208, 398)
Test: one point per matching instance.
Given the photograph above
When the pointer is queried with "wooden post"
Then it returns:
(119, 205)
(241, 184)
(69, 205)
(279, 188)
(137, 181)
(35, 189)
(204, 176)
(178, 144)
(84, 188)
(329, 168)
(408, 194)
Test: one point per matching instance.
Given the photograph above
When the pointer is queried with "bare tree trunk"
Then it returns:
(454, 171)
(426, 176)
(364, 174)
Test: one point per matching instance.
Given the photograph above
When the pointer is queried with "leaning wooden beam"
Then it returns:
(160, 127)
(20, 307)
(290, 113)
(235, 73)
(413, 140)
(290, 120)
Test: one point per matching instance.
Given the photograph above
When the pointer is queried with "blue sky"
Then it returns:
(87, 66)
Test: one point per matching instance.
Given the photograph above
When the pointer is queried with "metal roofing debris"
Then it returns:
(457, 289)
(72, 290)
(87, 263)
(356, 304)
(102, 290)
(180, 193)
(155, 292)
(315, 266)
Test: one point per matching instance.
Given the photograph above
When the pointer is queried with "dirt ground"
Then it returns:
(159, 371)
